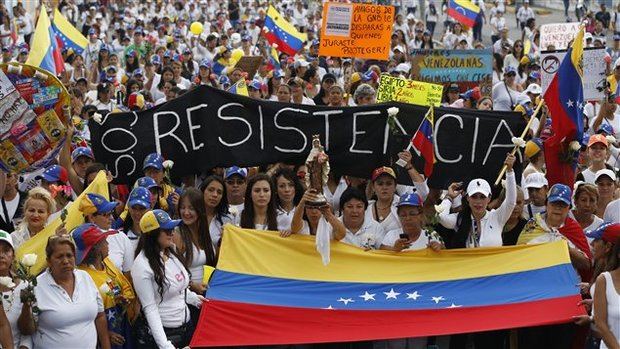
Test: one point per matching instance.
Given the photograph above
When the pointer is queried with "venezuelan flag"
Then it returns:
(564, 100)
(422, 141)
(239, 88)
(68, 37)
(45, 53)
(274, 60)
(277, 30)
(380, 294)
(463, 11)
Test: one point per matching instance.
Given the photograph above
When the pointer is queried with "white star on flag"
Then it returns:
(415, 295)
(391, 294)
(569, 103)
(580, 105)
(438, 299)
(454, 306)
(346, 300)
(368, 296)
(329, 308)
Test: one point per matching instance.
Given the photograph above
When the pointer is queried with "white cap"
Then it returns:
(605, 172)
(399, 48)
(403, 68)
(235, 38)
(4, 236)
(301, 64)
(587, 36)
(533, 89)
(98, 15)
(411, 16)
(479, 185)
(535, 180)
(617, 64)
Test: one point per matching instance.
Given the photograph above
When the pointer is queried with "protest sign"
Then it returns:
(32, 119)
(207, 128)
(249, 64)
(447, 66)
(408, 91)
(557, 35)
(593, 64)
(356, 30)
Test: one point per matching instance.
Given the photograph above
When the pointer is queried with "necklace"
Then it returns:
(378, 210)
(7, 300)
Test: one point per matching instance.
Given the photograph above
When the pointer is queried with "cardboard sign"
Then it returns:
(408, 91)
(249, 64)
(356, 30)
(593, 66)
(557, 35)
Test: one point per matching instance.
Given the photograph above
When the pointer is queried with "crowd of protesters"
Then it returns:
(132, 275)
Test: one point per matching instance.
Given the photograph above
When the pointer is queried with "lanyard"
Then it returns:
(474, 237)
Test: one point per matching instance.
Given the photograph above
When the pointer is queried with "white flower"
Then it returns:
(29, 259)
(168, 164)
(574, 145)
(98, 118)
(104, 288)
(233, 211)
(611, 139)
(274, 45)
(438, 209)
(518, 141)
(7, 281)
(393, 111)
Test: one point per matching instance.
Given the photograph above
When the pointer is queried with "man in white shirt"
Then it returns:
(525, 13)
(537, 186)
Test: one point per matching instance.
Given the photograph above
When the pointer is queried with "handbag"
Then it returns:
(179, 336)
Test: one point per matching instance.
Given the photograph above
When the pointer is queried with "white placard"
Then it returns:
(558, 35)
(593, 67)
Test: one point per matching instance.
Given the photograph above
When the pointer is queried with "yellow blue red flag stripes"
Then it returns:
(463, 11)
(564, 99)
(422, 141)
(394, 295)
(45, 52)
(239, 88)
(68, 37)
(285, 35)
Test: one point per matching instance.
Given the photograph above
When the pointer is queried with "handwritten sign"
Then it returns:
(408, 91)
(557, 35)
(356, 30)
(593, 64)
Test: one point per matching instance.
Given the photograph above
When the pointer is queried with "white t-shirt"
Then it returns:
(390, 222)
(370, 235)
(419, 244)
(612, 212)
(13, 307)
(285, 219)
(121, 251)
(64, 321)
(504, 98)
(11, 207)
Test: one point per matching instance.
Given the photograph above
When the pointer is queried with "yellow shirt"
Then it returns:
(116, 290)
(613, 83)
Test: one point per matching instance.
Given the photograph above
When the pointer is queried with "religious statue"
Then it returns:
(318, 170)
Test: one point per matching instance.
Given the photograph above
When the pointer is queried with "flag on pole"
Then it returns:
(463, 11)
(277, 30)
(422, 141)
(395, 295)
(68, 37)
(274, 59)
(44, 52)
(239, 88)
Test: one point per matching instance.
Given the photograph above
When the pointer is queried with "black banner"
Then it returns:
(208, 128)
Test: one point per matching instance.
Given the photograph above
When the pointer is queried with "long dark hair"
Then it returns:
(291, 176)
(247, 215)
(221, 209)
(463, 226)
(161, 83)
(149, 244)
(196, 200)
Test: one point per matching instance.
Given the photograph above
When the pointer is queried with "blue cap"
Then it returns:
(255, 84)
(278, 74)
(157, 219)
(140, 196)
(138, 71)
(82, 151)
(104, 47)
(95, 203)
(92, 31)
(85, 237)
(205, 63)
(235, 170)
(153, 160)
(315, 42)
(167, 54)
(585, 140)
(410, 199)
(139, 30)
(146, 182)
(607, 231)
(224, 80)
(606, 128)
(509, 69)
(55, 173)
(560, 192)
(155, 60)
(246, 38)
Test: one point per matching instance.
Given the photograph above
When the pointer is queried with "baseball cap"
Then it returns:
(605, 172)
(329, 76)
(598, 138)
(139, 196)
(535, 180)
(399, 48)
(301, 64)
(155, 60)
(205, 63)
(617, 63)
(234, 170)
(224, 80)
(157, 219)
(4, 236)
(453, 88)
(92, 31)
(410, 199)
(607, 231)
(402, 68)
(153, 160)
(533, 89)
(479, 185)
(82, 151)
(532, 147)
(137, 72)
(510, 69)
(55, 173)
(85, 237)
(94, 203)
(587, 36)
(381, 171)
(255, 84)
(473, 93)
(606, 128)
(146, 182)
(560, 192)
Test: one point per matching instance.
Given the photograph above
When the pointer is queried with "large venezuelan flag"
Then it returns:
(277, 30)
(45, 52)
(68, 37)
(463, 11)
(564, 99)
(270, 290)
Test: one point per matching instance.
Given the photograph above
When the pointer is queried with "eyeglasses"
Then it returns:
(404, 215)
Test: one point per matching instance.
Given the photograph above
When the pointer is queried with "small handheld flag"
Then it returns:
(240, 88)
(463, 11)
(45, 52)
(422, 142)
(68, 37)
(277, 30)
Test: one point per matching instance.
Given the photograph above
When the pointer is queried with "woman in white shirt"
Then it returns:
(215, 197)
(607, 301)
(71, 312)
(360, 232)
(308, 219)
(37, 209)
(192, 237)
(475, 226)
(259, 211)
(585, 199)
(289, 191)
(11, 300)
(161, 282)
(123, 251)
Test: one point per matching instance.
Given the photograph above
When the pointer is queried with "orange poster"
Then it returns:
(356, 30)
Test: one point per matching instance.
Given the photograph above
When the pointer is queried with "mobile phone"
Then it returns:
(404, 236)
